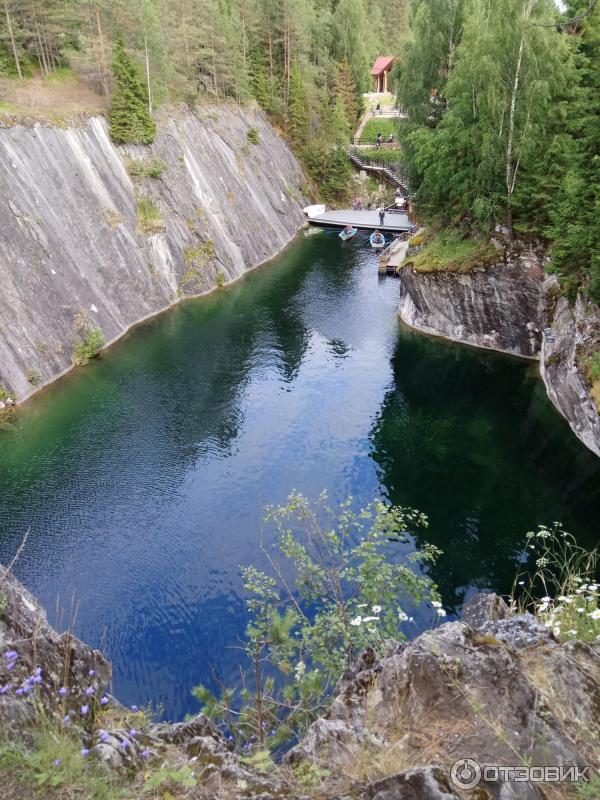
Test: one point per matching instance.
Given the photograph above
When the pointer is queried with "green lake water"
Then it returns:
(142, 477)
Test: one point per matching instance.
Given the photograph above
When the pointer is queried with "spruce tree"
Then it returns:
(259, 80)
(348, 91)
(297, 112)
(130, 121)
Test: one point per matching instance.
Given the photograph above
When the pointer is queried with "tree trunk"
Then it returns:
(13, 44)
(148, 75)
(102, 59)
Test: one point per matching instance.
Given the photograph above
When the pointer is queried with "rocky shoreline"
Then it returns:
(494, 687)
(513, 307)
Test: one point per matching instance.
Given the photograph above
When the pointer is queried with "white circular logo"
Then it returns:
(466, 773)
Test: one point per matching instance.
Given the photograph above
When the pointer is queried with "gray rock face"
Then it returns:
(73, 252)
(570, 329)
(497, 308)
(512, 307)
(455, 693)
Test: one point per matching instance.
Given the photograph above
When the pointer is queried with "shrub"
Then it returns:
(220, 279)
(140, 168)
(88, 346)
(346, 595)
(253, 136)
(149, 217)
(33, 376)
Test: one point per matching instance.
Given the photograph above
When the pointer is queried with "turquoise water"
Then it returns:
(142, 477)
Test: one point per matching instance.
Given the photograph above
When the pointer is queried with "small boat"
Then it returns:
(377, 242)
(345, 235)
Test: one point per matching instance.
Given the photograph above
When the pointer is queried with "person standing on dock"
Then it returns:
(381, 212)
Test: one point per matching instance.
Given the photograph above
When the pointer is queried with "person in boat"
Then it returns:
(378, 238)
(348, 229)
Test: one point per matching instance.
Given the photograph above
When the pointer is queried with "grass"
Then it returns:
(384, 154)
(253, 136)
(144, 168)
(376, 125)
(448, 251)
(53, 769)
(149, 217)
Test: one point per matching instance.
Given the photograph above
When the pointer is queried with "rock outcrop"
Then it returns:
(500, 695)
(497, 307)
(86, 245)
(571, 329)
(512, 307)
(505, 693)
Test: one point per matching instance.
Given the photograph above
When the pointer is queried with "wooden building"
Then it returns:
(380, 73)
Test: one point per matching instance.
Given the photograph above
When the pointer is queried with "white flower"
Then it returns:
(376, 609)
(572, 633)
(370, 619)
(521, 583)
(580, 590)
(581, 610)
(356, 621)
(362, 605)
(556, 631)
(372, 630)
(546, 599)
(402, 616)
(300, 670)
(594, 614)
(436, 604)
(441, 612)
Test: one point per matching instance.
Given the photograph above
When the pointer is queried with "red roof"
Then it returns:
(382, 64)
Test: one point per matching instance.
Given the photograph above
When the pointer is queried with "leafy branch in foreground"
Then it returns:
(338, 583)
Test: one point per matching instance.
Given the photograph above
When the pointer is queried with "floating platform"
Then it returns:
(395, 221)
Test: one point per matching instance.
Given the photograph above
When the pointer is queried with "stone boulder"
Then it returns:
(504, 695)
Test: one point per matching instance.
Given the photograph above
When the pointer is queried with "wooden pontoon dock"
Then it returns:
(394, 222)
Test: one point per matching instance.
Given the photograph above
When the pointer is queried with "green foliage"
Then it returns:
(348, 590)
(594, 367)
(167, 777)
(384, 154)
(130, 120)
(297, 114)
(88, 345)
(144, 168)
(378, 125)
(575, 211)
(149, 216)
(591, 790)
(562, 591)
(53, 764)
(33, 376)
(220, 279)
(329, 168)
(253, 136)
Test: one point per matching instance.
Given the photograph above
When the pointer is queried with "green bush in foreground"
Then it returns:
(253, 136)
(348, 593)
(88, 346)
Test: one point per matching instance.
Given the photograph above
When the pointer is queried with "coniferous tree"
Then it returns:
(297, 112)
(130, 121)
